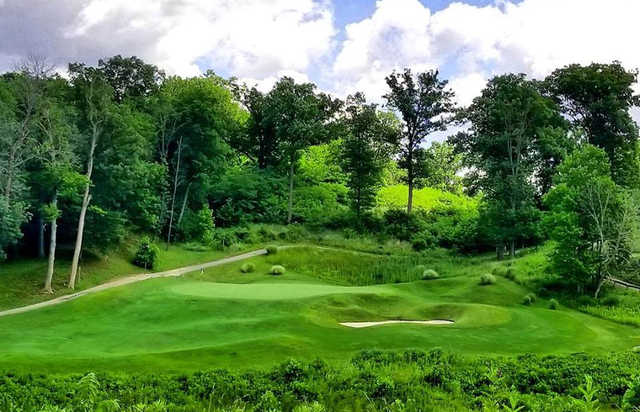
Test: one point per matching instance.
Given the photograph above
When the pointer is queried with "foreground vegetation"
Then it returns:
(371, 381)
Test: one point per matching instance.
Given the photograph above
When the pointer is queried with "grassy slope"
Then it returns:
(21, 280)
(427, 198)
(225, 318)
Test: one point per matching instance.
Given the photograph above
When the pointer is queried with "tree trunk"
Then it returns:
(52, 251)
(184, 204)
(173, 196)
(500, 251)
(410, 177)
(41, 226)
(83, 212)
(512, 248)
(600, 283)
(291, 172)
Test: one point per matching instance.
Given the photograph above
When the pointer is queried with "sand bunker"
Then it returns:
(388, 322)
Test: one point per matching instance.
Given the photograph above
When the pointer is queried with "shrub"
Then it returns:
(529, 299)
(272, 249)
(487, 279)
(422, 241)
(419, 270)
(198, 226)
(277, 270)
(611, 301)
(631, 399)
(553, 304)
(247, 268)
(430, 274)
(499, 271)
(146, 254)
(585, 300)
(510, 274)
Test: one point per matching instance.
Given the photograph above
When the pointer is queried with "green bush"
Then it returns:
(553, 304)
(631, 399)
(510, 274)
(611, 301)
(529, 299)
(419, 270)
(430, 274)
(422, 241)
(198, 226)
(487, 279)
(272, 250)
(146, 254)
(247, 268)
(499, 271)
(277, 270)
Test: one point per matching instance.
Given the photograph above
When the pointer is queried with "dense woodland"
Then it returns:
(102, 153)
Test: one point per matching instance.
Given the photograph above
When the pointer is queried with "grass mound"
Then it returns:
(277, 270)
(487, 279)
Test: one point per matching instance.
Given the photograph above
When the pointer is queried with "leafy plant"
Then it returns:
(247, 268)
(277, 270)
(487, 279)
(146, 254)
(430, 274)
(272, 250)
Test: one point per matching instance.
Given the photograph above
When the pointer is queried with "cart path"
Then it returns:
(133, 279)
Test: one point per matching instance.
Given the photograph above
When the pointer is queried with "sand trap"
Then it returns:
(388, 322)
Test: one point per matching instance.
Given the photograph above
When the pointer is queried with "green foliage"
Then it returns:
(591, 220)
(442, 165)
(12, 215)
(487, 279)
(198, 226)
(553, 304)
(529, 299)
(631, 399)
(147, 253)
(271, 249)
(277, 270)
(247, 268)
(430, 274)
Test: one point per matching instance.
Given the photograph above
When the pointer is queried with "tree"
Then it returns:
(423, 103)
(597, 99)
(442, 164)
(509, 122)
(94, 96)
(592, 220)
(365, 151)
(130, 77)
(206, 115)
(300, 118)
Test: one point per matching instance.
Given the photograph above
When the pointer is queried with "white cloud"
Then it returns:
(474, 43)
(246, 38)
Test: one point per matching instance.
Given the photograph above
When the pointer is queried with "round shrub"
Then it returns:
(510, 274)
(430, 274)
(277, 270)
(247, 268)
(272, 249)
(553, 304)
(499, 271)
(529, 299)
(146, 254)
(487, 279)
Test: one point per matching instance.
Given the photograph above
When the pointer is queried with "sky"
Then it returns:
(341, 45)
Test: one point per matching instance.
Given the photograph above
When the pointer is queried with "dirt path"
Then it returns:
(133, 279)
(390, 322)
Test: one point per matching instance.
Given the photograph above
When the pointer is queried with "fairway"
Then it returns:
(224, 318)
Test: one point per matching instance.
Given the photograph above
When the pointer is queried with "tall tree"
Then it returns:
(503, 148)
(597, 99)
(442, 165)
(592, 220)
(130, 77)
(423, 103)
(94, 96)
(300, 117)
(366, 149)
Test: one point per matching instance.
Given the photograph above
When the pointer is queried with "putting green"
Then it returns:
(256, 320)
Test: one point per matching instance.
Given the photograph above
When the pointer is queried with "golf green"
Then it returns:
(191, 323)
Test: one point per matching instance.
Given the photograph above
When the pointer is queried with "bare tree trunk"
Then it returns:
(41, 226)
(500, 251)
(410, 199)
(410, 179)
(291, 172)
(175, 189)
(600, 283)
(184, 204)
(512, 248)
(52, 250)
(83, 212)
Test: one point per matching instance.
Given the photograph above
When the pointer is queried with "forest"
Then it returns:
(526, 201)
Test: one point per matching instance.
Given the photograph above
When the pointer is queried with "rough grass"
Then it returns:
(223, 318)
(428, 198)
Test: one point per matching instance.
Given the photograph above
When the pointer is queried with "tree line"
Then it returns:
(122, 147)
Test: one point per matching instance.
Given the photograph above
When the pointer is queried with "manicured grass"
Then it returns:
(21, 280)
(226, 318)
(395, 197)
